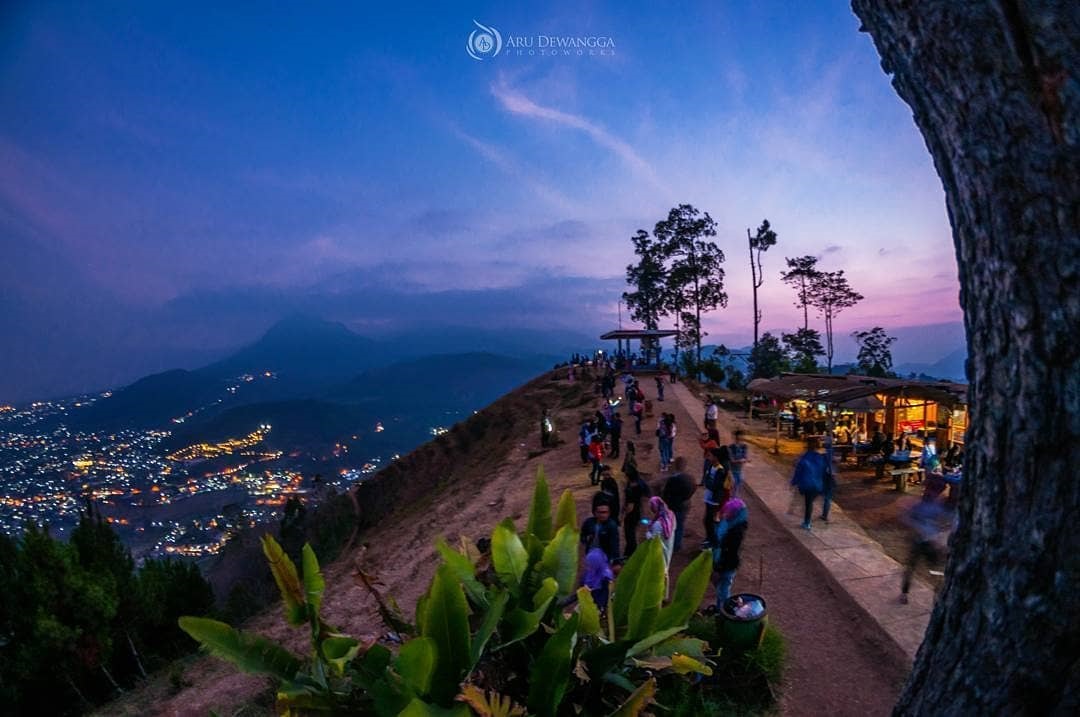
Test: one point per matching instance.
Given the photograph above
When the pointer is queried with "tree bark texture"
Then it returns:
(995, 90)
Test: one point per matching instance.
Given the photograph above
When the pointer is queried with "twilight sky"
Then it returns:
(174, 177)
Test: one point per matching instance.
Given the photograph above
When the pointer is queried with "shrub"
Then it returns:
(491, 628)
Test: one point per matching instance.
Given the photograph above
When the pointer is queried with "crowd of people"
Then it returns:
(624, 515)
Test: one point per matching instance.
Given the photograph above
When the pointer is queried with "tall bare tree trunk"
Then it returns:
(995, 90)
(753, 284)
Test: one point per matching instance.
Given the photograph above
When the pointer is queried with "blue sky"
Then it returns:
(174, 177)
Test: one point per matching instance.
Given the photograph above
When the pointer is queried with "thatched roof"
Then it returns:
(854, 391)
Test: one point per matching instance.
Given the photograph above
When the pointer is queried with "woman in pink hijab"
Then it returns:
(662, 527)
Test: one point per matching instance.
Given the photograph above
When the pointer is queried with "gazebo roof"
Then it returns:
(638, 334)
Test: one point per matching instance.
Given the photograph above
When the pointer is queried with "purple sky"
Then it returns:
(175, 178)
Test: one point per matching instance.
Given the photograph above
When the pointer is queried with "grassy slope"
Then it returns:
(461, 483)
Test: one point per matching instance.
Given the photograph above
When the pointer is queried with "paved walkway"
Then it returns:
(858, 563)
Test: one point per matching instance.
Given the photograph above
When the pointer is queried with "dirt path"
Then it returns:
(840, 663)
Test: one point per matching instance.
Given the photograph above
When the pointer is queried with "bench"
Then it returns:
(900, 476)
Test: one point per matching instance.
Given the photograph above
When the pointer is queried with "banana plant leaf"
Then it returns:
(648, 591)
(465, 571)
(560, 559)
(566, 511)
(508, 555)
(689, 590)
(540, 515)
(551, 671)
(249, 652)
(446, 622)
(284, 571)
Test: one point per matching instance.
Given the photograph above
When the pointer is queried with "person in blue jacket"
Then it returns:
(810, 477)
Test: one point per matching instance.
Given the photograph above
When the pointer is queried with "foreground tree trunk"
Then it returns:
(995, 90)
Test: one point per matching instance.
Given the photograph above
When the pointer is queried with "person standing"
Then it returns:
(636, 490)
(547, 429)
(928, 519)
(584, 439)
(809, 478)
(600, 531)
(659, 389)
(596, 455)
(609, 491)
(712, 413)
(677, 491)
(729, 531)
(662, 526)
(615, 434)
(739, 452)
(717, 490)
(708, 441)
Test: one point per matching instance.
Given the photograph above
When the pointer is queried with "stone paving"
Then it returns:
(856, 562)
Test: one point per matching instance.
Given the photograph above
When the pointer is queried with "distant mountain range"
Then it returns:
(316, 381)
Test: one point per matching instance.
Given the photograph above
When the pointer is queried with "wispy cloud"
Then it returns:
(516, 102)
(505, 162)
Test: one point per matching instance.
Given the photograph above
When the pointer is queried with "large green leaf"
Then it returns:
(690, 646)
(297, 696)
(339, 650)
(540, 514)
(284, 571)
(548, 589)
(566, 512)
(419, 708)
(314, 585)
(416, 663)
(689, 590)
(447, 623)
(641, 698)
(653, 639)
(508, 555)
(603, 658)
(492, 616)
(251, 653)
(590, 614)
(648, 591)
(519, 624)
(626, 585)
(465, 571)
(551, 671)
(560, 559)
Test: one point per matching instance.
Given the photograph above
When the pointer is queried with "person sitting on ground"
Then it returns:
(600, 531)
(598, 577)
(677, 491)
(729, 531)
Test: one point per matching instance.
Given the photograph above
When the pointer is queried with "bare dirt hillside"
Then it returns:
(841, 663)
